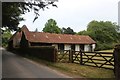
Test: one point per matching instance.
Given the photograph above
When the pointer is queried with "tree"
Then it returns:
(51, 27)
(11, 11)
(5, 37)
(82, 33)
(104, 33)
(67, 30)
(10, 15)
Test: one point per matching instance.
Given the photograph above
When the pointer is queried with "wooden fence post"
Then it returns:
(81, 60)
(55, 55)
(71, 56)
(117, 61)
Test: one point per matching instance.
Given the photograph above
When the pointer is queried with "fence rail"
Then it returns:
(96, 59)
(63, 55)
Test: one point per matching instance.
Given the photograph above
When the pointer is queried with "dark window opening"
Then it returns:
(73, 47)
(61, 46)
(90, 47)
(82, 47)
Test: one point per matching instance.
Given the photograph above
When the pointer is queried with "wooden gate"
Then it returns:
(77, 56)
(63, 55)
(96, 59)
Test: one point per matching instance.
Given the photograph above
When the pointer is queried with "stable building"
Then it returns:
(25, 38)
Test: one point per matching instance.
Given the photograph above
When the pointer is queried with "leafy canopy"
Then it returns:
(12, 11)
(104, 33)
(67, 31)
(51, 27)
(5, 37)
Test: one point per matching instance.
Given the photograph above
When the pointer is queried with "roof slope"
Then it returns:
(43, 37)
(58, 38)
(18, 34)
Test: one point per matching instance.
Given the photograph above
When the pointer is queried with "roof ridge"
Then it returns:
(47, 37)
(58, 34)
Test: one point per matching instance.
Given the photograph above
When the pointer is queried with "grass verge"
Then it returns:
(77, 70)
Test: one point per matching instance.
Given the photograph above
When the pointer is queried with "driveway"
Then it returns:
(14, 66)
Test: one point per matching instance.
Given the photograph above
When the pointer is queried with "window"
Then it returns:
(61, 46)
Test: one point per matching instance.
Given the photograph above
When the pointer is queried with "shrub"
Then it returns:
(104, 46)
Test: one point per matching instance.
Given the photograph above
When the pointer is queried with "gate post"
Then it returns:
(81, 60)
(117, 61)
(71, 56)
(55, 55)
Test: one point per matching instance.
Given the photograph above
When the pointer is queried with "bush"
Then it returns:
(104, 46)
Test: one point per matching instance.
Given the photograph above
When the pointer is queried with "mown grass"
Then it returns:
(77, 70)
(107, 50)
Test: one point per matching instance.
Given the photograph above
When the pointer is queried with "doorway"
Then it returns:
(82, 47)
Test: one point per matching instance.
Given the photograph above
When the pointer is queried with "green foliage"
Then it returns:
(11, 15)
(104, 46)
(82, 33)
(5, 37)
(67, 31)
(51, 27)
(104, 33)
(11, 11)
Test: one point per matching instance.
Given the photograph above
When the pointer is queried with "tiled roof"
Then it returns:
(18, 34)
(58, 38)
(43, 37)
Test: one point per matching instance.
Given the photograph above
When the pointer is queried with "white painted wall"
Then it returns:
(67, 47)
(86, 47)
(56, 46)
(77, 47)
(93, 47)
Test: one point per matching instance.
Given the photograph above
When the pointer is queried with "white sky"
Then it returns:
(75, 14)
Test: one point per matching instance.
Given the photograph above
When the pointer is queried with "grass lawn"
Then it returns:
(84, 71)
(77, 70)
(107, 50)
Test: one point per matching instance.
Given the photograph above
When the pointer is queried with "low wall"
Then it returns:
(45, 53)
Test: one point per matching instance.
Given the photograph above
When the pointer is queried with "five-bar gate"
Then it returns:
(96, 59)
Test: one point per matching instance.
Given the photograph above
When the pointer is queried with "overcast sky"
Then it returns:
(75, 14)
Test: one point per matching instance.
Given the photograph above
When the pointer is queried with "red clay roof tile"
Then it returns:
(58, 38)
(43, 37)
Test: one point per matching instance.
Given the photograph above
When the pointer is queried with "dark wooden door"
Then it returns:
(61, 46)
(82, 47)
(73, 47)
